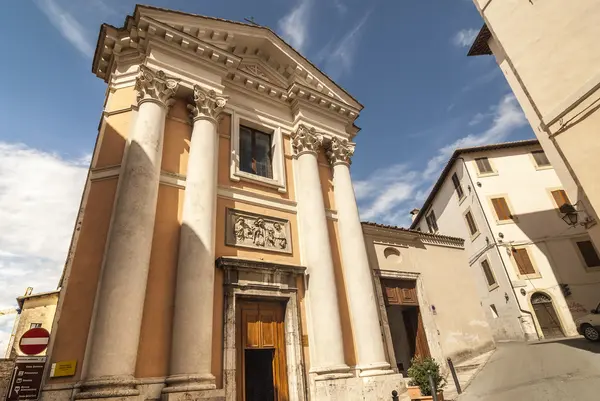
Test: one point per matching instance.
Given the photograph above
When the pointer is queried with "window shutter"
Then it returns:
(457, 186)
(523, 261)
(540, 158)
(483, 165)
(501, 208)
(589, 253)
(488, 273)
(471, 223)
(560, 197)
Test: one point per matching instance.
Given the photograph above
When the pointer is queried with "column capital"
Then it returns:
(306, 140)
(207, 104)
(340, 151)
(155, 86)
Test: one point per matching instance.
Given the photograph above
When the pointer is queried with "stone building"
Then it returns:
(534, 273)
(219, 256)
(559, 98)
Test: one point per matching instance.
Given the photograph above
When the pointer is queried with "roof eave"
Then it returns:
(480, 45)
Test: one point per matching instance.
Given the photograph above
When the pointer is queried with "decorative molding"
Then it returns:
(339, 151)
(306, 140)
(233, 263)
(250, 230)
(396, 274)
(155, 86)
(207, 104)
(257, 199)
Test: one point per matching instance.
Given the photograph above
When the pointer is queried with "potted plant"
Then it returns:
(419, 372)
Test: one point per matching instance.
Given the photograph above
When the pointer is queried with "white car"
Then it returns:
(589, 325)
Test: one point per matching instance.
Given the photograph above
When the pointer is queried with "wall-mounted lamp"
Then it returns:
(523, 292)
(570, 214)
(506, 297)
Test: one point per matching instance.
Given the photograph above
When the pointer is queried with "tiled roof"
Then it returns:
(480, 45)
(410, 230)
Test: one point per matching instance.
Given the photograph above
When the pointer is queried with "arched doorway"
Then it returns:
(546, 315)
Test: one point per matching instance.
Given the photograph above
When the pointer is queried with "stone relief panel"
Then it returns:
(251, 230)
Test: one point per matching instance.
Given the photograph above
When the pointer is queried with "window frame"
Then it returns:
(34, 325)
(477, 232)
(458, 185)
(278, 180)
(534, 161)
(485, 174)
(427, 217)
(513, 218)
(550, 193)
(495, 285)
(536, 272)
(580, 255)
(253, 135)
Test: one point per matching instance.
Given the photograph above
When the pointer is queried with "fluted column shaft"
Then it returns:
(368, 340)
(326, 343)
(191, 350)
(116, 328)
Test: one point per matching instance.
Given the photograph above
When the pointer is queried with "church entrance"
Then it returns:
(261, 358)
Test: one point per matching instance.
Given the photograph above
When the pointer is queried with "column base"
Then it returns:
(331, 372)
(201, 395)
(188, 383)
(375, 388)
(374, 369)
(109, 387)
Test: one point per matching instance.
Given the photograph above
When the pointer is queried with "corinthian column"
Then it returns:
(116, 328)
(326, 343)
(191, 349)
(357, 273)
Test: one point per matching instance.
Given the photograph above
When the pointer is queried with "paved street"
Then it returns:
(567, 369)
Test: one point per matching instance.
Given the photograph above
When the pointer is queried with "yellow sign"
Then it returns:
(63, 368)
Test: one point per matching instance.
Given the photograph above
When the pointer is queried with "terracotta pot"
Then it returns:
(414, 392)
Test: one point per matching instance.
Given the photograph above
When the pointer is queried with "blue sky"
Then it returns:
(404, 60)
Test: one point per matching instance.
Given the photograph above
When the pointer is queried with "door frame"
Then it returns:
(536, 322)
(263, 281)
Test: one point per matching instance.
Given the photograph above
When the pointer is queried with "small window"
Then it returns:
(255, 152)
(35, 325)
(501, 208)
(483, 165)
(588, 252)
(471, 223)
(459, 191)
(523, 261)
(540, 158)
(494, 311)
(431, 222)
(560, 197)
(487, 271)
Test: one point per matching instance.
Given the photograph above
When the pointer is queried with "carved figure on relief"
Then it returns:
(260, 232)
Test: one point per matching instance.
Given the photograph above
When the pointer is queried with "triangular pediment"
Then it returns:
(247, 51)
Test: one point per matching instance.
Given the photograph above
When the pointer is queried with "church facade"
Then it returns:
(218, 252)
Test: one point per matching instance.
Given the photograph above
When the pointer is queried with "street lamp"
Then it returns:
(569, 214)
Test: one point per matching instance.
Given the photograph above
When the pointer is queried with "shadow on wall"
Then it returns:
(580, 343)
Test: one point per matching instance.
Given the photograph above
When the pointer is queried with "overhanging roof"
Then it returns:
(480, 46)
(456, 155)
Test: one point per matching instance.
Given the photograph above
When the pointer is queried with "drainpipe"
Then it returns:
(495, 244)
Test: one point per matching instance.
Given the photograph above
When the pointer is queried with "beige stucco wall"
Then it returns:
(38, 309)
(458, 328)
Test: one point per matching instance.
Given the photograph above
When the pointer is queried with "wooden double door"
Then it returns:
(261, 359)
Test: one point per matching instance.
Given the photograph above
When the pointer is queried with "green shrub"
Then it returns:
(419, 372)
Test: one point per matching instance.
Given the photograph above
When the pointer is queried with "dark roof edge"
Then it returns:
(480, 46)
(412, 231)
(455, 155)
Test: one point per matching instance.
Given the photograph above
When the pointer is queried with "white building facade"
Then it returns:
(534, 273)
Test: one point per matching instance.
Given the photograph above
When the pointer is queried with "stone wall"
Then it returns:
(6, 366)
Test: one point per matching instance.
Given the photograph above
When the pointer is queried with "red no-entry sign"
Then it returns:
(34, 341)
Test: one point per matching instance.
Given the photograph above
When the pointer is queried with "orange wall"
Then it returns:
(155, 340)
(176, 146)
(76, 313)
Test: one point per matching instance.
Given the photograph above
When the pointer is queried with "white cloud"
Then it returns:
(340, 6)
(39, 198)
(340, 60)
(67, 25)
(388, 194)
(465, 37)
(294, 26)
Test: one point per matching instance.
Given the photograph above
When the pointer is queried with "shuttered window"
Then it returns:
(487, 271)
(459, 191)
(501, 208)
(587, 250)
(523, 261)
(431, 222)
(483, 165)
(560, 197)
(471, 223)
(540, 158)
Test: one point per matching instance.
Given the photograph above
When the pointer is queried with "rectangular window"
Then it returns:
(494, 311)
(471, 223)
(523, 261)
(487, 271)
(457, 186)
(587, 250)
(540, 158)
(501, 208)
(35, 325)
(431, 222)
(560, 197)
(255, 152)
(483, 165)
